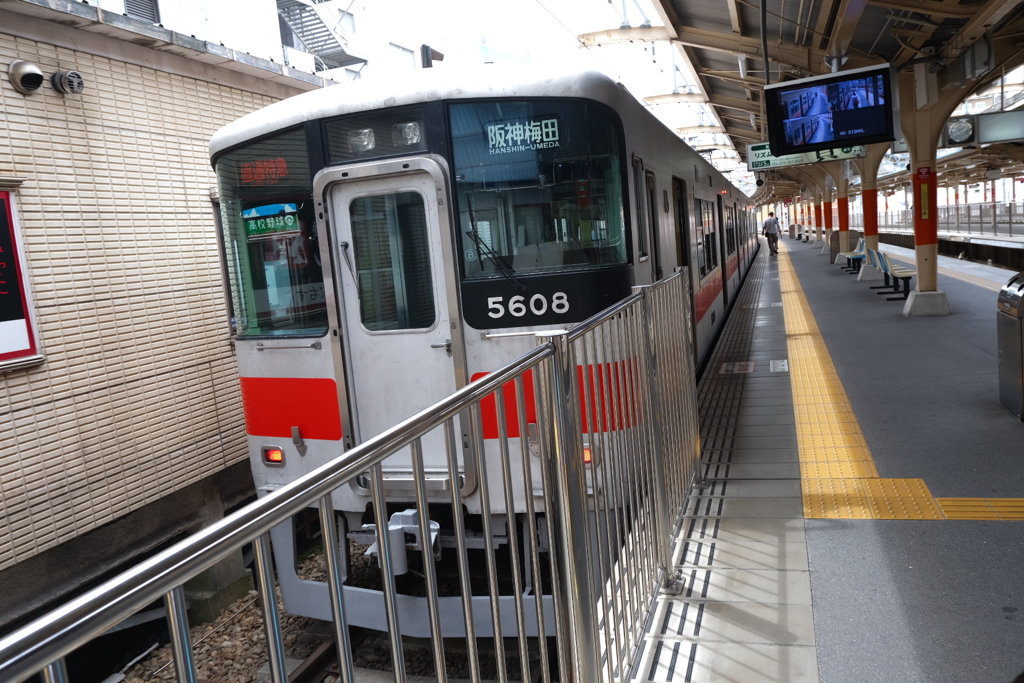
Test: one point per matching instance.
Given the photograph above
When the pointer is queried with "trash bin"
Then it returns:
(792, 230)
(1010, 336)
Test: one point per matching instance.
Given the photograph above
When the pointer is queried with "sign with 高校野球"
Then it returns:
(271, 221)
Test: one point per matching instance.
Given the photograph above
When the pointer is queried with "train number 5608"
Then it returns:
(518, 305)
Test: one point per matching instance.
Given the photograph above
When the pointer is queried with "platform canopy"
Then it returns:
(724, 50)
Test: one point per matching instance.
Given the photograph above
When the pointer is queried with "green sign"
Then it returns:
(268, 222)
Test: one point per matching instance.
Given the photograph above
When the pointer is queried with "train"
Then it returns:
(387, 242)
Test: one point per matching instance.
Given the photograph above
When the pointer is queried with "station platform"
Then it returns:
(862, 518)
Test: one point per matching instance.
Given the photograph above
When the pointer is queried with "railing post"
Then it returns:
(181, 644)
(55, 672)
(571, 551)
(668, 582)
(332, 550)
(271, 615)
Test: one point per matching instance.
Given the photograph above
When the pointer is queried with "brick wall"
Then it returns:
(138, 396)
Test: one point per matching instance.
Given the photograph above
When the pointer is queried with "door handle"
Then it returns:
(447, 346)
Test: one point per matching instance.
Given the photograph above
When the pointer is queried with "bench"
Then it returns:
(854, 258)
(899, 275)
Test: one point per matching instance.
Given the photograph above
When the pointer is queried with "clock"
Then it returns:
(960, 131)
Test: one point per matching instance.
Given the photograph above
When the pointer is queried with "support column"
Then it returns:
(826, 209)
(926, 101)
(843, 204)
(956, 204)
(868, 169)
(926, 299)
(926, 225)
(817, 221)
(870, 199)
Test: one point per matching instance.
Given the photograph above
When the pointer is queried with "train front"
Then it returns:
(378, 259)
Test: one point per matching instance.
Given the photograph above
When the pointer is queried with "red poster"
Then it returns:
(17, 335)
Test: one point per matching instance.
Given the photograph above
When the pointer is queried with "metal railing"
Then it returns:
(620, 386)
(1004, 218)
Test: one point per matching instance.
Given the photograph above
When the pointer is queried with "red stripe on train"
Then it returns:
(706, 296)
(273, 405)
(608, 386)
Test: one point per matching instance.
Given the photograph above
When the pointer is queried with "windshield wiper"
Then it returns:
(486, 250)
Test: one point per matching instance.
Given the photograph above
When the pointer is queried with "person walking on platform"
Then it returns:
(770, 228)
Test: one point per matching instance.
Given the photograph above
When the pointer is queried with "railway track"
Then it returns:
(320, 667)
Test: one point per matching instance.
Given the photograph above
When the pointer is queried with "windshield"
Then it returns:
(538, 186)
(270, 241)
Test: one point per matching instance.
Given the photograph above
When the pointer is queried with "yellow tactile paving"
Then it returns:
(838, 475)
(1008, 508)
(837, 470)
(843, 488)
(845, 454)
(966, 508)
(898, 507)
(836, 507)
(897, 488)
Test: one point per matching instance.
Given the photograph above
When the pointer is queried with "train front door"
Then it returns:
(392, 270)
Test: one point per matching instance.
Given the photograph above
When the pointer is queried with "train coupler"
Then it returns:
(400, 526)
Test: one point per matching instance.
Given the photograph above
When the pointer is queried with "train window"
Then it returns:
(392, 261)
(682, 236)
(270, 241)
(651, 227)
(730, 230)
(707, 242)
(538, 185)
(641, 215)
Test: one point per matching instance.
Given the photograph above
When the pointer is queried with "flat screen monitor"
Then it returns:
(856, 107)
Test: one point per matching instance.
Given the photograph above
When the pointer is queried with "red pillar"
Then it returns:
(870, 214)
(828, 214)
(844, 214)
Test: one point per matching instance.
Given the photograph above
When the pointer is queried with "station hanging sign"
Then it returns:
(19, 343)
(759, 156)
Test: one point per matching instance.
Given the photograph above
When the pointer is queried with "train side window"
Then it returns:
(707, 249)
(651, 227)
(682, 235)
(730, 230)
(392, 261)
(641, 214)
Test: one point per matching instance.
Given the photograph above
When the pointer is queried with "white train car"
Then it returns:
(382, 239)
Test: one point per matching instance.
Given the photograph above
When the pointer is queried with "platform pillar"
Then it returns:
(844, 222)
(827, 211)
(817, 221)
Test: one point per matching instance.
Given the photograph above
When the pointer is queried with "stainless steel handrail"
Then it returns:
(58, 633)
(636, 362)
